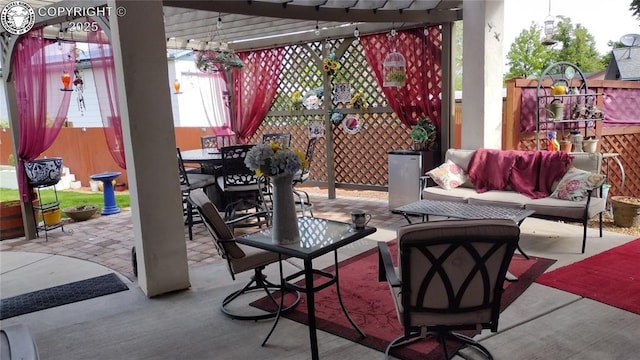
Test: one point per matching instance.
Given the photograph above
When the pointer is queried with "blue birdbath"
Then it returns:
(107, 190)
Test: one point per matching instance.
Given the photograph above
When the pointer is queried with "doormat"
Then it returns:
(61, 295)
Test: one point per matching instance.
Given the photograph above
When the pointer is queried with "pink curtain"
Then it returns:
(254, 88)
(104, 75)
(213, 87)
(42, 106)
(421, 48)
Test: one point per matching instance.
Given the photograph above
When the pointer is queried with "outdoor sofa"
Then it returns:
(563, 201)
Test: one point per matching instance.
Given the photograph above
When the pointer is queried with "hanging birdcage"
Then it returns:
(394, 70)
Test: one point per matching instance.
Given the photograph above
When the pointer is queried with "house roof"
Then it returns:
(624, 64)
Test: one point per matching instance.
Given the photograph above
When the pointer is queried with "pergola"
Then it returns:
(142, 34)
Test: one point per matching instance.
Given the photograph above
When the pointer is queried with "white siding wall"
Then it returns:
(186, 107)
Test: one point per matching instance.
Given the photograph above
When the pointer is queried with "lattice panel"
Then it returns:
(628, 146)
(360, 159)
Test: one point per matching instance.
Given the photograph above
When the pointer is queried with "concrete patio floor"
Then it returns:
(543, 323)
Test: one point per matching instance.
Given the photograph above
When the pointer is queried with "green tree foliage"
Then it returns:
(577, 46)
(458, 28)
(607, 57)
(527, 56)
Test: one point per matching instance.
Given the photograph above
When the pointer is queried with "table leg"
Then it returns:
(344, 310)
(281, 306)
(311, 310)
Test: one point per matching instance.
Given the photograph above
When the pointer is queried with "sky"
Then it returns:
(605, 20)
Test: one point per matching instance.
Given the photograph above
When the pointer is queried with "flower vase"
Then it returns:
(284, 230)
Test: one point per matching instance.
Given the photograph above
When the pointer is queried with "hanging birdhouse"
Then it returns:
(394, 70)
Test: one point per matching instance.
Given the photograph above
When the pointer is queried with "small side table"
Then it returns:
(107, 178)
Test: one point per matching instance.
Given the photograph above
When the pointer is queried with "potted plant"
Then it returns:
(423, 134)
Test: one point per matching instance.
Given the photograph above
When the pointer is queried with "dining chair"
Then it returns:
(241, 258)
(302, 175)
(451, 276)
(218, 141)
(279, 138)
(188, 183)
(239, 185)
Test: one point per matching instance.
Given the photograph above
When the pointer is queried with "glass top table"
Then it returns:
(318, 237)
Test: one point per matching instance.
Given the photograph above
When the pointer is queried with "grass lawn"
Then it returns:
(69, 198)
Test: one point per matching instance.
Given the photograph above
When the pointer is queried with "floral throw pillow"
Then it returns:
(448, 175)
(575, 184)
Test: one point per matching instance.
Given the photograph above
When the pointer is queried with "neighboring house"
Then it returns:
(188, 109)
(624, 64)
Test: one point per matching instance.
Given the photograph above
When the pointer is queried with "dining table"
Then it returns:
(317, 237)
(210, 157)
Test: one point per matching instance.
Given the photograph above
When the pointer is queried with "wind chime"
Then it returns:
(78, 83)
(394, 65)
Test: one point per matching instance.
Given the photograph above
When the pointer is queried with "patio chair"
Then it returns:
(451, 276)
(302, 175)
(241, 258)
(279, 138)
(189, 182)
(239, 185)
(218, 141)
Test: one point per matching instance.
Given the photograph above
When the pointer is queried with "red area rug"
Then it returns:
(611, 277)
(370, 305)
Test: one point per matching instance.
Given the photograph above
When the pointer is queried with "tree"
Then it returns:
(577, 46)
(527, 56)
(635, 8)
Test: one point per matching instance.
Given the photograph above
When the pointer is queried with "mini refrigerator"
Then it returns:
(405, 169)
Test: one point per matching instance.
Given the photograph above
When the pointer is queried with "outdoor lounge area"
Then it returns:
(543, 322)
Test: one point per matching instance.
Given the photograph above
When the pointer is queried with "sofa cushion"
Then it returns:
(500, 198)
(565, 209)
(459, 194)
(575, 184)
(461, 158)
(448, 175)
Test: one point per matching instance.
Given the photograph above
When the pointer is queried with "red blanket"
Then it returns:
(530, 173)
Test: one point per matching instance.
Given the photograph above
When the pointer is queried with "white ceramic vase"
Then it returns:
(284, 229)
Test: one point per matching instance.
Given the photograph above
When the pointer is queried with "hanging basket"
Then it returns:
(394, 70)
(210, 61)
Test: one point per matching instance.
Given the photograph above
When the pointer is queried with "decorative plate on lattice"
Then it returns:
(394, 70)
(352, 123)
(341, 93)
(316, 128)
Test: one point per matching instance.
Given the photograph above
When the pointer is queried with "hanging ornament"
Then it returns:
(66, 80)
(176, 86)
(394, 70)
(78, 85)
(394, 65)
(356, 34)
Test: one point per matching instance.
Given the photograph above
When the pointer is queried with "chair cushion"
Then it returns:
(575, 184)
(448, 175)
(216, 224)
(197, 181)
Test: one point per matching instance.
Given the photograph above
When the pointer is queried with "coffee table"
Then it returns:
(460, 210)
